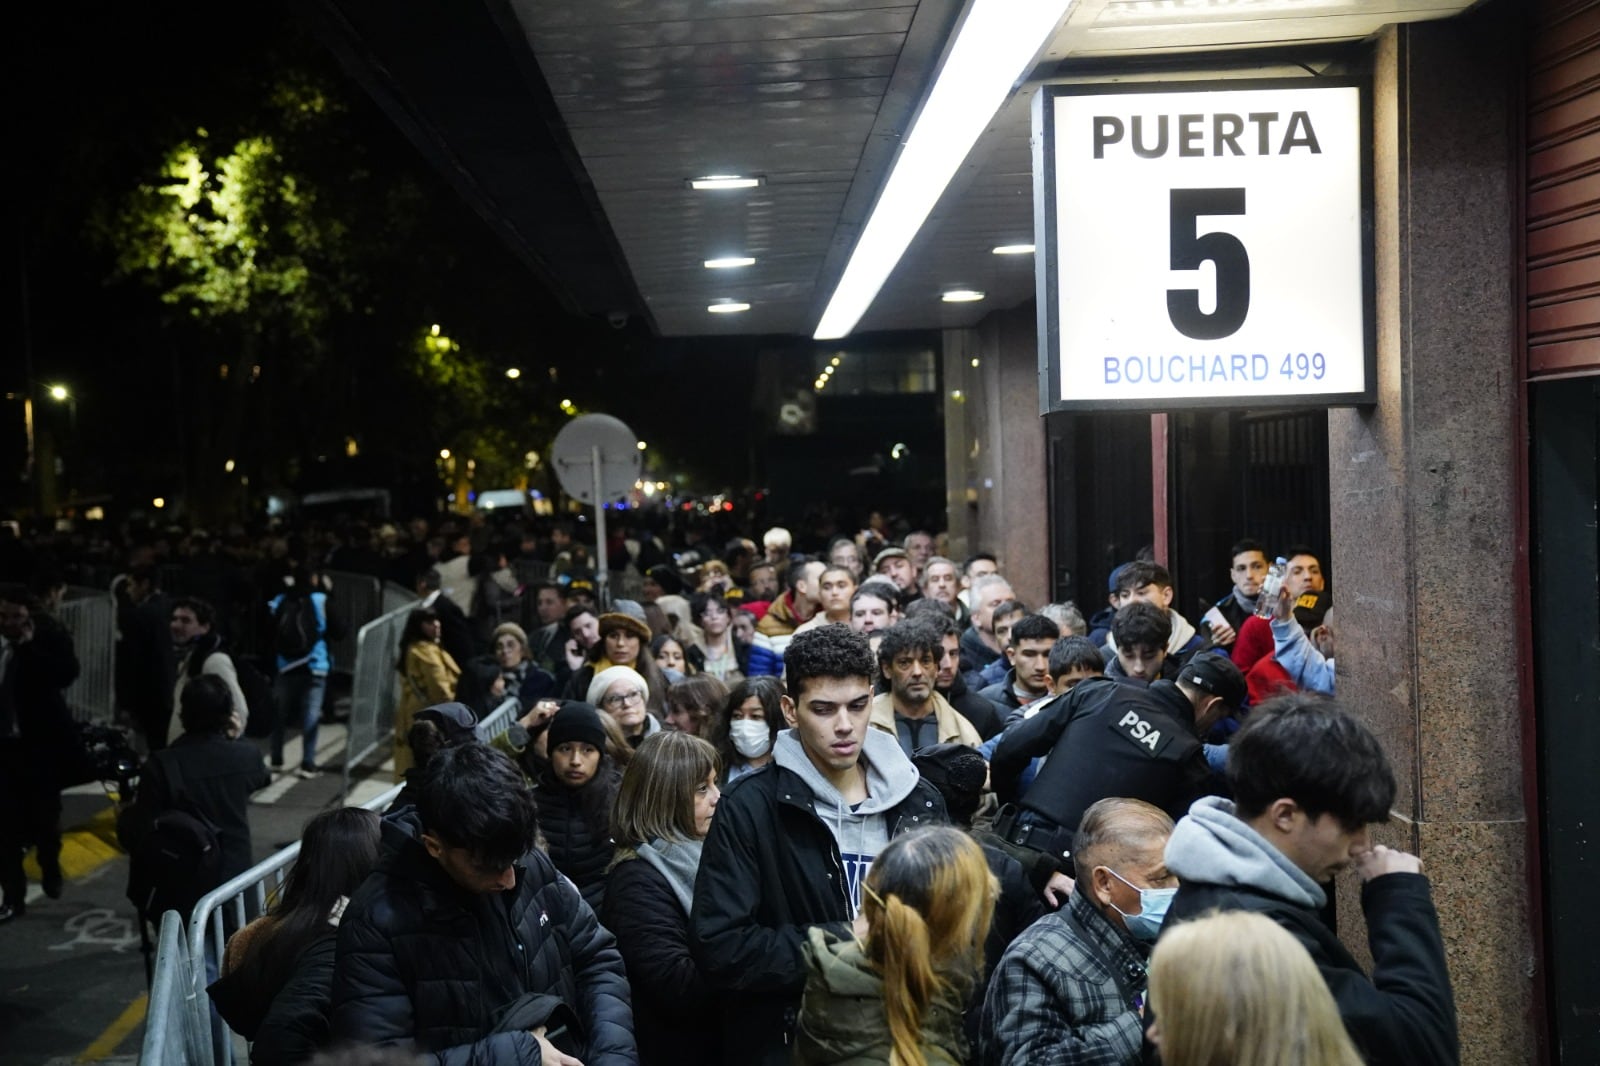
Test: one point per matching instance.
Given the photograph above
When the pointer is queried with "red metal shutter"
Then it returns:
(1563, 188)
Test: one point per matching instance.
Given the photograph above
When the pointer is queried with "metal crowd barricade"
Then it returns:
(531, 571)
(498, 721)
(394, 596)
(178, 1027)
(240, 899)
(354, 600)
(91, 617)
(374, 688)
(168, 1037)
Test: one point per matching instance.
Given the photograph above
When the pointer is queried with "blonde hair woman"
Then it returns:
(662, 815)
(895, 996)
(1236, 989)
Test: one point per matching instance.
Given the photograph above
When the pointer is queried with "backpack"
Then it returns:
(174, 855)
(297, 628)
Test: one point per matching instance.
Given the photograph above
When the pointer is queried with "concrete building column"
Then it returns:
(1424, 498)
(995, 468)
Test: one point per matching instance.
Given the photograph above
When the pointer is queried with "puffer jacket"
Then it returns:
(421, 960)
(842, 1022)
(573, 847)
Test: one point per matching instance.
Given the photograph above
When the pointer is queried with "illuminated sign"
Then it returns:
(1203, 245)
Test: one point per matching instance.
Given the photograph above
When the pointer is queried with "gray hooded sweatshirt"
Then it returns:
(860, 831)
(1211, 845)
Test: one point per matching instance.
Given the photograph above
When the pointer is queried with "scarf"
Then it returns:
(678, 861)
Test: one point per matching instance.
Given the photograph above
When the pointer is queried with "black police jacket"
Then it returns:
(422, 961)
(771, 869)
(1105, 738)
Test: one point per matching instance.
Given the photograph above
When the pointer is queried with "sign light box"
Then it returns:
(1203, 245)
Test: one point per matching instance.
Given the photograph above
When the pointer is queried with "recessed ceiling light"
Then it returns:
(961, 296)
(729, 261)
(725, 181)
(1013, 249)
(993, 49)
(727, 307)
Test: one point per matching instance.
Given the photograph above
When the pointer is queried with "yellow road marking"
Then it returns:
(84, 848)
(108, 1041)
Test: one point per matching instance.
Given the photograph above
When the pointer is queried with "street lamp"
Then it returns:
(59, 393)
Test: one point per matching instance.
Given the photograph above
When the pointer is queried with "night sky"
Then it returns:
(103, 97)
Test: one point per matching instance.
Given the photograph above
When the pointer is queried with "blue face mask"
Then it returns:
(1153, 904)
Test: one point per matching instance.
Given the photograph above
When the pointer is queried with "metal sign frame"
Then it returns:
(1046, 268)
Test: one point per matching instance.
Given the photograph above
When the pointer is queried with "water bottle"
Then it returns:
(1267, 599)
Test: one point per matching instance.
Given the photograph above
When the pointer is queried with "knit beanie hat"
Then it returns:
(515, 630)
(576, 722)
(610, 676)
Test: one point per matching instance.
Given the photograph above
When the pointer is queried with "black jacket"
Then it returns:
(975, 654)
(39, 671)
(770, 870)
(1405, 1012)
(1018, 907)
(674, 1009)
(218, 777)
(1003, 694)
(982, 713)
(296, 1024)
(577, 851)
(478, 677)
(1105, 738)
(422, 960)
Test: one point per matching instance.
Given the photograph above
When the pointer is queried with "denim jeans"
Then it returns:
(298, 695)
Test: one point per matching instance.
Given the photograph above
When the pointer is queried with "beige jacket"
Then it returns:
(953, 728)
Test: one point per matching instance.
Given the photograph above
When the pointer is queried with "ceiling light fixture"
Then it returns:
(961, 296)
(727, 262)
(725, 181)
(993, 49)
(1013, 249)
(727, 307)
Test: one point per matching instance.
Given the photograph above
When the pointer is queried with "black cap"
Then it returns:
(1215, 673)
(1311, 608)
(665, 576)
(576, 721)
(453, 719)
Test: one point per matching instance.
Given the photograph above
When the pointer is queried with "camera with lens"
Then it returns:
(106, 756)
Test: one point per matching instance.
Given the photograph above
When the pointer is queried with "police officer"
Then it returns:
(1104, 739)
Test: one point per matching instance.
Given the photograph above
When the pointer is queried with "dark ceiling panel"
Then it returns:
(617, 36)
(682, 77)
(472, 103)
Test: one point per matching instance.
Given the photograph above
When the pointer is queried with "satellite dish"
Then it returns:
(574, 453)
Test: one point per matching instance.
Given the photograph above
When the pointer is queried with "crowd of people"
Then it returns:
(852, 803)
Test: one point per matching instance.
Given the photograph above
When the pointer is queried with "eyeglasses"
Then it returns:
(624, 699)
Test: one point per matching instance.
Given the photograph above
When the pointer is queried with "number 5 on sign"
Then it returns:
(1190, 248)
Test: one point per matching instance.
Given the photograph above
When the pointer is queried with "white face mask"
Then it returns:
(751, 737)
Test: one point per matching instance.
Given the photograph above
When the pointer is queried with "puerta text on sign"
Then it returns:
(1202, 246)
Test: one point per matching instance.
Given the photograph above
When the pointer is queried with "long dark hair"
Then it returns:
(337, 852)
(413, 633)
(769, 690)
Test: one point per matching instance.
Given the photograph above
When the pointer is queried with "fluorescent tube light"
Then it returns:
(725, 181)
(1013, 249)
(961, 296)
(727, 307)
(993, 49)
(729, 261)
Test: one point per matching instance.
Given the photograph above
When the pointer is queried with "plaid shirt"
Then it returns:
(1066, 991)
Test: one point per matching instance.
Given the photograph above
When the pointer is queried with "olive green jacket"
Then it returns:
(842, 1022)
